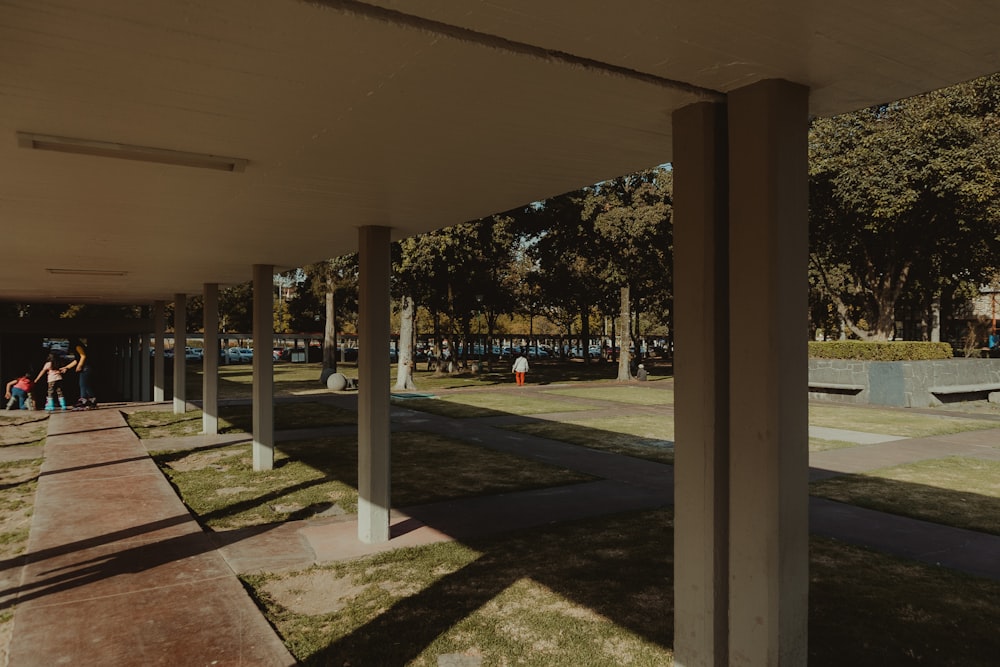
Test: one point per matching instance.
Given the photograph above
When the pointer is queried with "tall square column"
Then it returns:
(210, 361)
(180, 363)
(701, 376)
(263, 367)
(144, 367)
(373, 394)
(768, 297)
(159, 374)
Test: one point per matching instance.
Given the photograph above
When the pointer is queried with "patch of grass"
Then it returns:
(892, 422)
(311, 476)
(642, 436)
(955, 491)
(557, 596)
(870, 609)
(641, 394)
(18, 427)
(488, 404)
(18, 482)
(599, 592)
(238, 419)
(821, 445)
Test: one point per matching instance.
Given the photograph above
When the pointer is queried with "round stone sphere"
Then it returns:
(336, 382)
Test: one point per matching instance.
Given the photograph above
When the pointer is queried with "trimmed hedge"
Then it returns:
(879, 351)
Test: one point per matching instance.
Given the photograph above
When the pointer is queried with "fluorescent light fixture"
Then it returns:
(87, 272)
(43, 142)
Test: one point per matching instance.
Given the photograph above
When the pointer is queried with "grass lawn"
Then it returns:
(319, 477)
(599, 592)
(19, 427)
(892, 422)
(821, 445)
(488, 404)
(643, 436)
(955, 491)
(638, 394)
(237, 419)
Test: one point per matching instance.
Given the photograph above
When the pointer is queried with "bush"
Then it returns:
(879, 351)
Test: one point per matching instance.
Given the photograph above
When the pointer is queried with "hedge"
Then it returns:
(879, 351)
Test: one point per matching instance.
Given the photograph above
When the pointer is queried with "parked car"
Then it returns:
(194, 353)
(239, 355)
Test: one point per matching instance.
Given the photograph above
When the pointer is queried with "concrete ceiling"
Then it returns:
(414, 115)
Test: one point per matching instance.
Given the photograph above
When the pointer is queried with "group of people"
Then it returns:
(19, 390)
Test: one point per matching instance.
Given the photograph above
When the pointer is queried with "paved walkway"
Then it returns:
(118, 573)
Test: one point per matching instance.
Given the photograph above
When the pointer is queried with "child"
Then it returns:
(54, 377)
(19, 389)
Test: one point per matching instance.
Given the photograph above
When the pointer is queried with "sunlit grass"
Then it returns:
(892, 422)
(489, 404)
(955, 491)
(319, 475)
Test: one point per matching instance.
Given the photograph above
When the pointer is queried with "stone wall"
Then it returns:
(902, 383)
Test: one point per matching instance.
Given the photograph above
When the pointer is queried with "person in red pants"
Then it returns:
(520, 368)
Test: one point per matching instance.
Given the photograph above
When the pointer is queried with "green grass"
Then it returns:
(892, 422)
(488, 404)
(599, 592)
(237, 419)
(643, 436)
(821, 445)
(18, 483)
(955, 491)
(19, 427)
(631, 394)
(312, 476)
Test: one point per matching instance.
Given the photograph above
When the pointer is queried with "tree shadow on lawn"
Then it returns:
(866, 608)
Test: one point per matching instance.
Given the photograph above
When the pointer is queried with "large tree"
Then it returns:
(631, 217)
(903, 194)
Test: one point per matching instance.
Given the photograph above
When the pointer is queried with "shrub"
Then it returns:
(879, 350)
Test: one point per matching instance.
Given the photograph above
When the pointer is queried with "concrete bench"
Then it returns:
(965, 388)
(836, 387)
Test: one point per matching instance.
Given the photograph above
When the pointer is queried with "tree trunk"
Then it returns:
(624, 373)
(404, 367)
(329, 333)
(936, 317)
(585, 334)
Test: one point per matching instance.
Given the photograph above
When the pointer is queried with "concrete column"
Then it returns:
(701, 374)
(144, 367)
(135, 347)
(263, 367)
(159, 374)
(210, 361)
(373, 382)
(768, 289)
(180, 342)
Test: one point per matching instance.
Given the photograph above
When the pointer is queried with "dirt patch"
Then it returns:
(21, 427)
(314, 593)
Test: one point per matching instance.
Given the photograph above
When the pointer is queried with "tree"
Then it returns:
(631, 216)
(901, 194)
(327, 290)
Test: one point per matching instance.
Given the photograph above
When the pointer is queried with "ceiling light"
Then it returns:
(44, 142)
(87, 272)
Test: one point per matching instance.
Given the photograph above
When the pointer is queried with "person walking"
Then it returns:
(54, 376)
(18, 391)
(519, 369)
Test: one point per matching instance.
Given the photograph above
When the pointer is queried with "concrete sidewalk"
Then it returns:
(117, 572)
